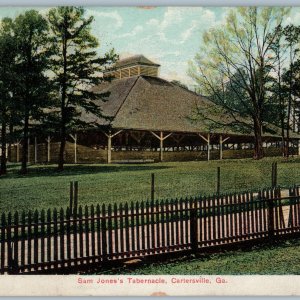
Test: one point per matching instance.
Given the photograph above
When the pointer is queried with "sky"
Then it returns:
(170, 36)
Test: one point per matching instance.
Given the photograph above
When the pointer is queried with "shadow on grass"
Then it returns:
(70, 170)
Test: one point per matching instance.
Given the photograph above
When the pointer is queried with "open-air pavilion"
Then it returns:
(148, 118)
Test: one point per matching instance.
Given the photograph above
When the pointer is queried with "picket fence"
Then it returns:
(66, 241)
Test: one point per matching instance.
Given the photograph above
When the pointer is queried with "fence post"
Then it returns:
(270, 203)
(103, 234)
(274, 174)
(218, 180)
(71, 196)
(193, 226)
(75, 206)
(152, 187)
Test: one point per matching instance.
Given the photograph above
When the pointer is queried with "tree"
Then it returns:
(278, 89)
(32, 61)
(291, 34)
(7, 56)
(76, 67)
(238, 54)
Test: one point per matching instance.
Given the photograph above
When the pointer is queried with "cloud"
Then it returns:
(153, 22)
(172, 15)
(137, 29)
(117, 20)
(294, 18)
(187, 33)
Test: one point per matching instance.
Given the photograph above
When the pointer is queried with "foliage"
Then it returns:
(7, 76)
(76, 68)
(236, 60)
(31, 86)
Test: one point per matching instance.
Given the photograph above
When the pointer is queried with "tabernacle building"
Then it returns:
(147, 119)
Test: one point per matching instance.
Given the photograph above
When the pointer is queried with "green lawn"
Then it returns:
(280, 259)
(43, 187)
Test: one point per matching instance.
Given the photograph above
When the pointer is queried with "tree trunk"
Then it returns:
(61, 159)
(3, 148)
(25, 144)
(258, 144)
(11, 129)
(63, 105)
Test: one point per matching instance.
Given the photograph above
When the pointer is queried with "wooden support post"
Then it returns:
(109, 140)
(221, 145)
(161, 143)
(109, 148)
(161, 147)
(35, 149)
(48, 148)
(74, 137)
(298, 147)
(18, 151)
(207, 140)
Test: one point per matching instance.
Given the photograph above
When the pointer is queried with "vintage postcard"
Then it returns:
(150, 150)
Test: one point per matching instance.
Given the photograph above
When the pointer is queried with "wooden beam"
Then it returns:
(204, 138)
(109, 134)
(168, 135)
(157, 136)
(207, 140)
(161, 143)
(137, 137)
(177, 140)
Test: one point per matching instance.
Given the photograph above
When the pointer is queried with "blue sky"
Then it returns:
(170, 36)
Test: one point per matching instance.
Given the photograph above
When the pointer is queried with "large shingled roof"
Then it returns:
(151, 103)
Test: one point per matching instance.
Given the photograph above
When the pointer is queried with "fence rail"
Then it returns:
(65, 240)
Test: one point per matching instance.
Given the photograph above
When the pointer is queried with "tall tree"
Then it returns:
(32, 61)
(278, 88)
(238, 52)
(291, 34)
(7, 57)
(76, 67)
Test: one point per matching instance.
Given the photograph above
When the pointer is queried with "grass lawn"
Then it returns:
(280, 259)
(44, 188)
